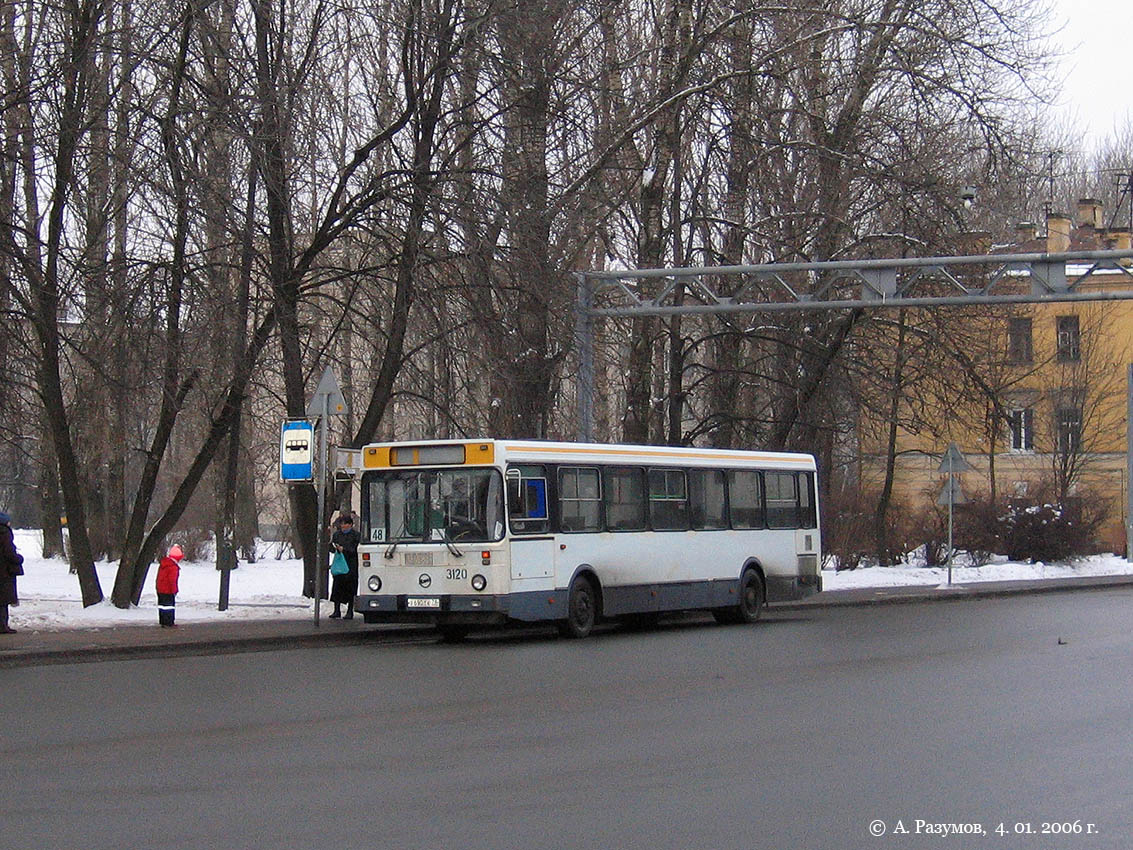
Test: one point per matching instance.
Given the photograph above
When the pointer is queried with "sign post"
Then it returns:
(327, 400)
(952, 465)
(1129, 463)
(226, 563)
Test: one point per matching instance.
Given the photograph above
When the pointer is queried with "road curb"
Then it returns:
(902, 595)
(82, 655)
(129, 647)
(10, 659)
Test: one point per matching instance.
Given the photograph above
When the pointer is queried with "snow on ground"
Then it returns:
(271, 587)
(1000, 570)
(50, 597)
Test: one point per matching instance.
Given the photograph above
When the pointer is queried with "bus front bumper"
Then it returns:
(442, 609)
(462, 609)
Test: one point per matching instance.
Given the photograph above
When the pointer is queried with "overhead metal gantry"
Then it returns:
(841, 284)
(923, 282)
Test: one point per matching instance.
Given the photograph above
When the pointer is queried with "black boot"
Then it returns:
(337, 612)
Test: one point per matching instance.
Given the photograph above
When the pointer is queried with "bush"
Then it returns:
(847, 523)
(1032, 530)
(977, 530)
(849, 539)
(1048, 532)
(925, 529)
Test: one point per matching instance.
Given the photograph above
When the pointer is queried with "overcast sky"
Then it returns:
(1098, 68)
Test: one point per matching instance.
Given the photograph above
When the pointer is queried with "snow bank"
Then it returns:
(50, 598)
(272, 588)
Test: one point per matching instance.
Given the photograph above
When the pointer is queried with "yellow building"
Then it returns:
(1044, 414)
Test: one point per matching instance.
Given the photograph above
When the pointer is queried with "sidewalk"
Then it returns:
(70, 646)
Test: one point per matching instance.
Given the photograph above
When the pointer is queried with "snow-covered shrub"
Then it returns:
(1049, 532)
(1032, 530)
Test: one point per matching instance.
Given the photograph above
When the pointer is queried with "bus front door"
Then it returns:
(532, 563)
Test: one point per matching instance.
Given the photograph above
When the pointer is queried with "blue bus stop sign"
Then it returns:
(297, 451)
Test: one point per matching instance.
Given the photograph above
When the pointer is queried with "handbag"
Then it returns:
(338, 566)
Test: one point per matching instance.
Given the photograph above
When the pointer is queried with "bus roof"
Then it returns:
(491, 451)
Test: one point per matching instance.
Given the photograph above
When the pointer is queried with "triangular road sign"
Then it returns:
(329, 389)
(953, 461)
(952, 493)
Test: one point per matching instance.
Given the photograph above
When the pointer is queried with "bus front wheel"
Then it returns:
(582, 609)
(750, 604)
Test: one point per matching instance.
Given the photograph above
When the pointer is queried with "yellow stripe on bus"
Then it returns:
(716, 455)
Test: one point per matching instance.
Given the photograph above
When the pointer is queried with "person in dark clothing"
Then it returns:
(345, 587)
(11, 565)
(168, 571)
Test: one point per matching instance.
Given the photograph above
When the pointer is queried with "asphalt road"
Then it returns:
(797, 733)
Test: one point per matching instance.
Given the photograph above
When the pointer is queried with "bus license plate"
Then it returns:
(423, 603)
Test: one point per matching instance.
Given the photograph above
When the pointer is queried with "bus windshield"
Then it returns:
(433, 505)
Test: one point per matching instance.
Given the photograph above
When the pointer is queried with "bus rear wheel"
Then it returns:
(582, 609)
(750, 605)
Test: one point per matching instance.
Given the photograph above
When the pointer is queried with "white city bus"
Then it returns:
(460, 533)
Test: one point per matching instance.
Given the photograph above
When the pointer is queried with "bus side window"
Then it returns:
(668, 500)
(580, 499)
(625, 498)
(782, 499)
(808, 517)
(527, 499)
(745, 496)
(707, 508)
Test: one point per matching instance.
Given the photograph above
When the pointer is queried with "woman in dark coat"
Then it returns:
(345, 587)
(11, 565)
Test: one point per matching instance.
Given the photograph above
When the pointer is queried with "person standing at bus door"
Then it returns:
(168, 571)
(345, 587)
(11, 565)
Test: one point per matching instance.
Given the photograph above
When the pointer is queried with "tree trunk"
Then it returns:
(881, 515)
(726, 345)
(127, 582)
(640, 423)
(46, 285)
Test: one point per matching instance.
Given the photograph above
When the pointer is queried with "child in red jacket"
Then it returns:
(167, 573)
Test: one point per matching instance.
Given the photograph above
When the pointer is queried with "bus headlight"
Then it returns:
(479, 582)
(374, 583)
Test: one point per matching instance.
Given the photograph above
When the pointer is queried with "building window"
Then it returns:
(1069, 430)
(1019, 345)
(1022, 424)
(1069, 350)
